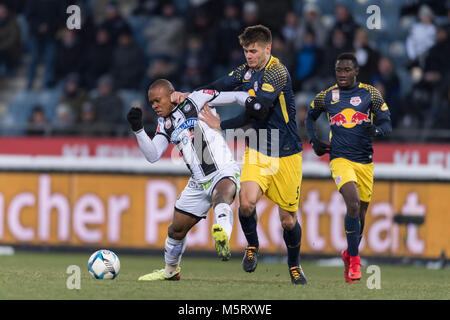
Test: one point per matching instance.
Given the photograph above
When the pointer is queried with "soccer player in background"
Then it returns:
(273, 165)
(215, 175)
(356, 113)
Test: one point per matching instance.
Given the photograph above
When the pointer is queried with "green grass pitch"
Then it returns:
(43, 276)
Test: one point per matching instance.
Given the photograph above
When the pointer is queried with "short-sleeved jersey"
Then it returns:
(204, 150)
(272, 84)
(347, 111)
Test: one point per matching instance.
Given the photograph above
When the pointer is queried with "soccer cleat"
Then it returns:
(161, 275)
(297, 275)
(250, 260)
(346, 258)
(221, 241)
(354, 271)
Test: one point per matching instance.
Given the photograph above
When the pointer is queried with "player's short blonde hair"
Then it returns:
(255, 34)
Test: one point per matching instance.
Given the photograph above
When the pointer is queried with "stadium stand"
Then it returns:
(193, 42)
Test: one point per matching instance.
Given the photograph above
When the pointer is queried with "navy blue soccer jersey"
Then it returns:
(273, 85)
(347, 111)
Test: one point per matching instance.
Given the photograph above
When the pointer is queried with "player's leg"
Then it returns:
(345, 178)
(174, 247)
(363, 205)
(364, 174)
(350, 194)
(222, 196)
(284, 190)
(292, 235)
(249, 195)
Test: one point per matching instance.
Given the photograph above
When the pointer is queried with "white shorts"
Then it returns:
(196, 197)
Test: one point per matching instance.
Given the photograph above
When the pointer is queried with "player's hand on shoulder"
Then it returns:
(134, 117)
(178, 97)
(319, 147)
(213, 121)
(255, 110)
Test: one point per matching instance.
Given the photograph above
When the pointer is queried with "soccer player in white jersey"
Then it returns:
(215, 175)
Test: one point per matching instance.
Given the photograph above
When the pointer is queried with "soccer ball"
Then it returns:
(104, 264)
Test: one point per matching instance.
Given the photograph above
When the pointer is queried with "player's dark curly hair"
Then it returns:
(348, 56)
(254, 34)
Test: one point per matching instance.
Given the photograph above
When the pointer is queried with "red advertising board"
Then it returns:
(396, 153)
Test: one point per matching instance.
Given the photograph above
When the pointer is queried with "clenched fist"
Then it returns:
(134, 117)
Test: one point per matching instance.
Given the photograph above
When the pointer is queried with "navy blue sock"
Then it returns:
(248, 225)
(293, 238)
(352, 228)
(361, 229)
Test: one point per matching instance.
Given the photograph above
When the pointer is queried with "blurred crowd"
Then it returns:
(83, 81)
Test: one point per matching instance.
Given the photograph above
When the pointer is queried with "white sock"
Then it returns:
(224, 217)
(173, 250)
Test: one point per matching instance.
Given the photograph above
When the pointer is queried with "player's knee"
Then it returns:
(175, 232)
(222, 198)
(288, 221)
(224, 192)
(353, 208)
(246, 207)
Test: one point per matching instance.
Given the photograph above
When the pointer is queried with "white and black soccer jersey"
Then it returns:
(204, 150)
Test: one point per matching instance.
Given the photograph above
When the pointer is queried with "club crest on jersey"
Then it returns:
(187, 107)
(248, 75)
(335, 95)
(355, 101)
(167, 123)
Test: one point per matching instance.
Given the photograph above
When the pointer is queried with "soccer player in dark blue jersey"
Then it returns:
(273, 164)
(356, 113)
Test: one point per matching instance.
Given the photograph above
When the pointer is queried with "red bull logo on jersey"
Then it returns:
(348, 118)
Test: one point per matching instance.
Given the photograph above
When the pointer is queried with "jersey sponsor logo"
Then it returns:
(267, 87)
(208, 91)
(355, 101)
(187, 124)
(384, 107)
(348, 118)
(335, 95)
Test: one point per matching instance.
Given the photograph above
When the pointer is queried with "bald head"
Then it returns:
(163, 84)
(159, 96)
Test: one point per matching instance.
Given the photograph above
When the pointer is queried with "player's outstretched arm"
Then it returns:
(152, 149)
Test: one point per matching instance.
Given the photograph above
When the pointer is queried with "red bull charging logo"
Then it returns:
(348, 118)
